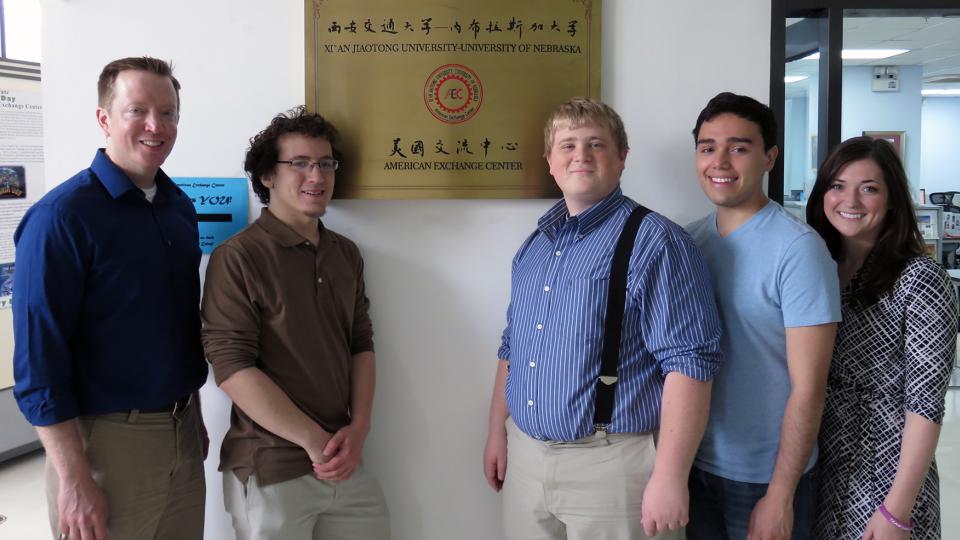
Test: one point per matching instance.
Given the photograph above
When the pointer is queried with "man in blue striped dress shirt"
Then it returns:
(566, 479)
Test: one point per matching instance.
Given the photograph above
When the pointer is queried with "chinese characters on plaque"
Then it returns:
(447, 99)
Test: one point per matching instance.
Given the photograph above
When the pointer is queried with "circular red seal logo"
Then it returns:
(453, 93)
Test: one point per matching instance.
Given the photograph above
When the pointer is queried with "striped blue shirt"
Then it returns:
(555, 321)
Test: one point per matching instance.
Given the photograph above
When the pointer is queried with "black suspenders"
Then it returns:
(613, 324)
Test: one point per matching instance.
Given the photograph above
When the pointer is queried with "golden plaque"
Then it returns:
(447, 99)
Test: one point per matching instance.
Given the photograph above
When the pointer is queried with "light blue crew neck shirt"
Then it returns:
(772, 273)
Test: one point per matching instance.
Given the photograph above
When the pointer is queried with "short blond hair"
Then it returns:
(579, 111)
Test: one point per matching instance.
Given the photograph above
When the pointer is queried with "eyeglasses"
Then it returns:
(306, 166)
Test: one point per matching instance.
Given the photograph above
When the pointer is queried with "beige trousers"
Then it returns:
(589, 489)
(150, 468)
(305, 508)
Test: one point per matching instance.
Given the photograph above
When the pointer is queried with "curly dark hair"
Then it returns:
(899, 240)
(263, 152)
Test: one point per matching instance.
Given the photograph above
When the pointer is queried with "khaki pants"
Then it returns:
(589, 489)
(150, 468)
(306, 508)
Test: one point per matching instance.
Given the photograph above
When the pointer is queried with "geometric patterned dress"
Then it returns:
(891, 357)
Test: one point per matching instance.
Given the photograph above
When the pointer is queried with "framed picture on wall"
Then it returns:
(897, 138)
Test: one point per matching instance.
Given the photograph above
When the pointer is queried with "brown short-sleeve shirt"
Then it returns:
(298, 312)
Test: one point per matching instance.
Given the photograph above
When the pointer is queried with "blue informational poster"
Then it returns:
(221, 205)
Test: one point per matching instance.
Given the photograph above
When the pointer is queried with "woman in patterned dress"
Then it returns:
(893, 354)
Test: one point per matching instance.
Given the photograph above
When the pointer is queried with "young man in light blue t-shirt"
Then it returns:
(778, 296)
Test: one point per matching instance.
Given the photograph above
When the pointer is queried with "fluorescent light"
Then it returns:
(794, 78)
(862, 54)
(940, 92)
(870, 54)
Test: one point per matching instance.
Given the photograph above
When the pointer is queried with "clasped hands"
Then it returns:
(340, 454)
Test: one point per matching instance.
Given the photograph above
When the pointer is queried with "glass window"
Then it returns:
(21, 30)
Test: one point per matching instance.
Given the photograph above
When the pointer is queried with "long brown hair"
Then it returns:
(899, 240)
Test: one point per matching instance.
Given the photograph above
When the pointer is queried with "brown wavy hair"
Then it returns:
(899, 240)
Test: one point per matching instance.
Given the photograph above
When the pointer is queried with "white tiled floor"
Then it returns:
(23, 503)
(22, 499)
(948, 461)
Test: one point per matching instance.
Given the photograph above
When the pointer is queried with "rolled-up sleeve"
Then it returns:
(930, 339)
(231, 318)
(679, 315)
(361, 336)
(48, 292)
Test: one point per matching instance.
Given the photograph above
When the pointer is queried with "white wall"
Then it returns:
(866, 110)
(438, 271)
(939, 161)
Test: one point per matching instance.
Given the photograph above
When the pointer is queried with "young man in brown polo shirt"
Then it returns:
(286, 328)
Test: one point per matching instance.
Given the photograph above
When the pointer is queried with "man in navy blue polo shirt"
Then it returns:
(567, 477)
(108, 358)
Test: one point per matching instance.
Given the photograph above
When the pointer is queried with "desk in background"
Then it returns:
(955, 279)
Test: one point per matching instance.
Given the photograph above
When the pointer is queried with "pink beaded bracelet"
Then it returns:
(896, 522)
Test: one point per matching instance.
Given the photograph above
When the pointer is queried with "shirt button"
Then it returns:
(533, 364)
(319, 280)
(539, 327)
(546, 288)
(557, 253)
(529, 403)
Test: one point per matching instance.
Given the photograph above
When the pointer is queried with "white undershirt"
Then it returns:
(150, 193)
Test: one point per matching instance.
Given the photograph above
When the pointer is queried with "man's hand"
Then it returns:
(495, 458)
(495, 453)
(80, 501)
(683, 416)
(665, 506)
(342, 453)
(771, 519)
(317, 444)
(83, 509)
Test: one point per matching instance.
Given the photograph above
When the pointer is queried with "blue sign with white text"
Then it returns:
(221, 205)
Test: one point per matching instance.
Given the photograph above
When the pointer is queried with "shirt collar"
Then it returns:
(586, 221)
(282, 232)
(117, 183)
